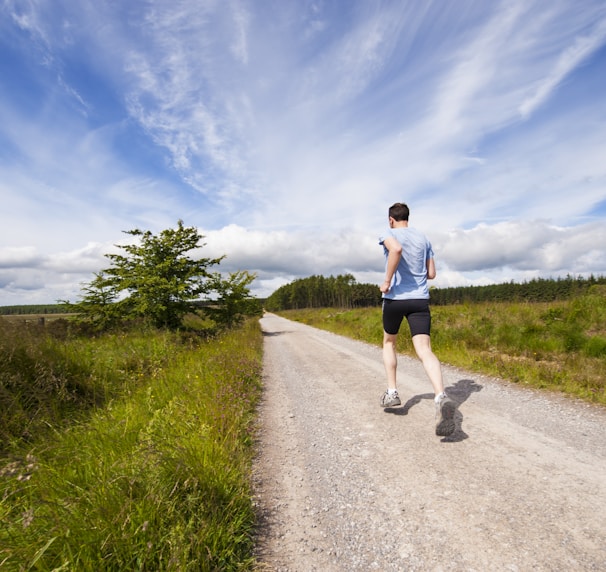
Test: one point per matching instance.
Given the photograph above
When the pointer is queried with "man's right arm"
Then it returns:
(394, 249)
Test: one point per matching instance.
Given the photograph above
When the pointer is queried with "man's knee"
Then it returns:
(422, 344)
(389, 339)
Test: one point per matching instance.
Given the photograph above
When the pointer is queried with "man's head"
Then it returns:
(399, 211)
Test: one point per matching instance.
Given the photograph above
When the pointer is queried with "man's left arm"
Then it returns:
(431, 269)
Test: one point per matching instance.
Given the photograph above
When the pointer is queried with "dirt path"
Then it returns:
(344, 485)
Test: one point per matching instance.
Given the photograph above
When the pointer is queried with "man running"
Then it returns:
(409, 264)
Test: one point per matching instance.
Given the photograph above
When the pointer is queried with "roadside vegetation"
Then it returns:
(127, 451)
(558, 345)
(126, 427)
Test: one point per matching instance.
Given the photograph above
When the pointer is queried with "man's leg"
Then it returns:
(422, 345)
(390, 398)
(445, 407)
(390, 359)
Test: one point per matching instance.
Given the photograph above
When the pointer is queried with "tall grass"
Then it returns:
(559, 345)
(152, 473)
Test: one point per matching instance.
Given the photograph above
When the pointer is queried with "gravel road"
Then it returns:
(341, 484)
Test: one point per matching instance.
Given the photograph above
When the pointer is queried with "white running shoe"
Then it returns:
(390, 400)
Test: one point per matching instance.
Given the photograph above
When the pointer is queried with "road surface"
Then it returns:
(343, 485)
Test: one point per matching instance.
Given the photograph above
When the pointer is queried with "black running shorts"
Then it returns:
(415, 311)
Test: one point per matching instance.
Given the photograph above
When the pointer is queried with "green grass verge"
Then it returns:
(154, 474)
(559, 346)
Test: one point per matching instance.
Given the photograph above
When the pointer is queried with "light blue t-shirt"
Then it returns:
(410, 280)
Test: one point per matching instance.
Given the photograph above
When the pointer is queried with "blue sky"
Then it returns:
(284, 129)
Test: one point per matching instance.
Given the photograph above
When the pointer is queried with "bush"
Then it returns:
(595, 347)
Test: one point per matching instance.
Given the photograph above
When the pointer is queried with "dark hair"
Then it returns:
(399, 211)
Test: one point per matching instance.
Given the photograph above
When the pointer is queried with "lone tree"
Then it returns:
(156, 280)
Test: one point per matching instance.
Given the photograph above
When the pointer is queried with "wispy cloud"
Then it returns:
(582, 47)
(241, 18)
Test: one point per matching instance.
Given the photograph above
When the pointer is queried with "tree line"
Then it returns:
(344, 292)
(22, 309)
(535, 290)
(320, 292)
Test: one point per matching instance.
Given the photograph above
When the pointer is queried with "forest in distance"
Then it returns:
(343, 291)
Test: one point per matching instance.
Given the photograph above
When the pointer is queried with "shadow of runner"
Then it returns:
(459, 393)
(462, 389)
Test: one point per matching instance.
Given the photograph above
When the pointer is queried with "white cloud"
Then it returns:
(83, 261)
(16, 257)
(533, 246)
(23, 282)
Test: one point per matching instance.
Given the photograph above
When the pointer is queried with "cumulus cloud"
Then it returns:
(525, 246)
(87, 260)
(292, 253)
(25, 280)
(19, 257)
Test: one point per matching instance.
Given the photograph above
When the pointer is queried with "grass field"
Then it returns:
(128, 451)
